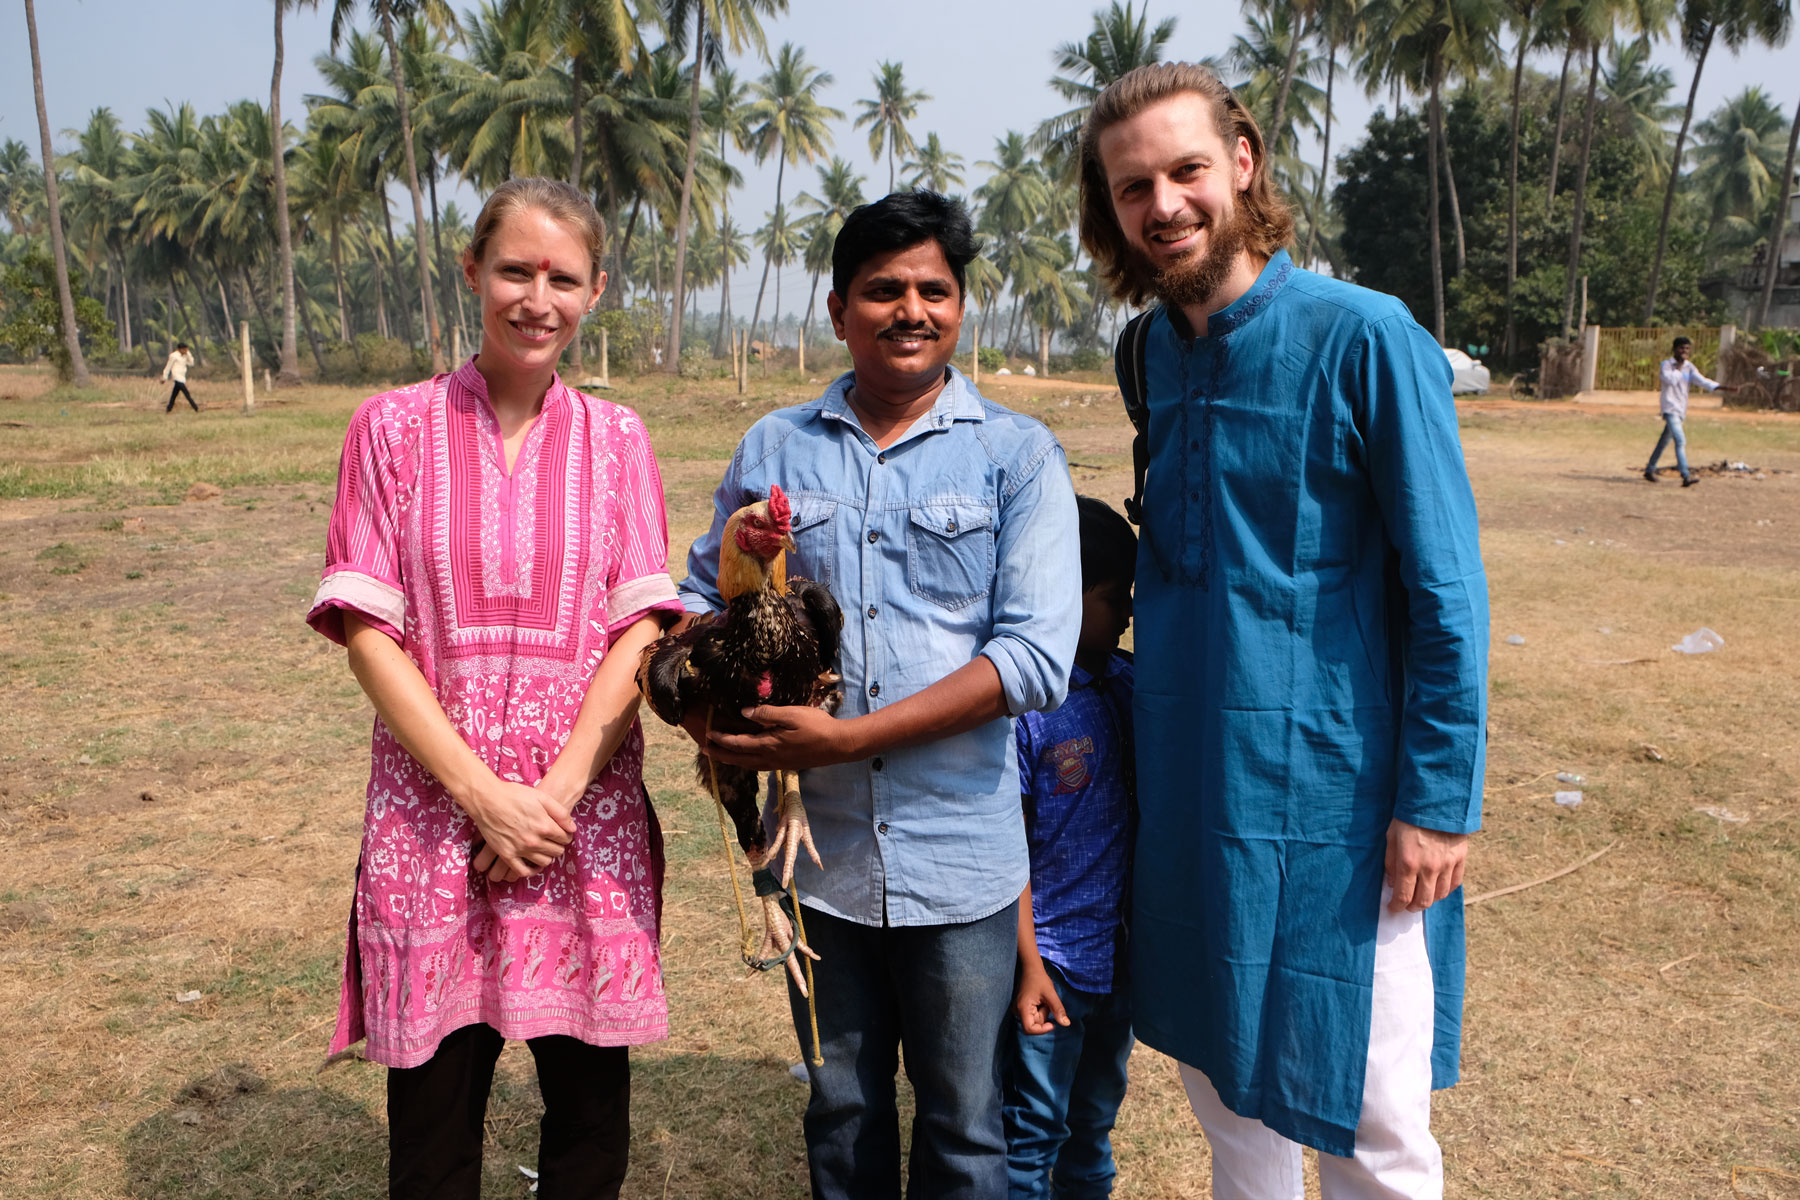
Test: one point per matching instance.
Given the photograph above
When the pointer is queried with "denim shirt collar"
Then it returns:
(959, 401)
(1233, 316)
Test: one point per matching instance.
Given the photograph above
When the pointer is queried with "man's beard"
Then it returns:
(1194, 278)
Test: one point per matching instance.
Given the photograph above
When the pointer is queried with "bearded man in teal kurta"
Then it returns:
(1312, 679)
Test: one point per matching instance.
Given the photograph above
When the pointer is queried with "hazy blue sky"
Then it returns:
(986, 69)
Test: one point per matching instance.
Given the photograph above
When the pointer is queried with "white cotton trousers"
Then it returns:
(1396, 1156)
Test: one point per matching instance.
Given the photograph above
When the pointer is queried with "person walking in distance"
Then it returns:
(175, 370)
(1677, 373)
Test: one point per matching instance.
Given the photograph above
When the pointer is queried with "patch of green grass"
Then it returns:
(64, 558)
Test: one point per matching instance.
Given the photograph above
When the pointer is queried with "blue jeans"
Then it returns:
(941, 992)
(1671, 433)
(1060, 1095)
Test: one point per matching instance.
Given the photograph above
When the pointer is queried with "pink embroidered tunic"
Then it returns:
(505, 589)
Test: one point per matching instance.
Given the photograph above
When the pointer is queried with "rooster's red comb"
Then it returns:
(779, 509)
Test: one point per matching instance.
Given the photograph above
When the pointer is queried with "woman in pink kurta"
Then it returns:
(495, 572)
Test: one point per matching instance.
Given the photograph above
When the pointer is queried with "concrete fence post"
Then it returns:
(249, 370)
(1590, 356)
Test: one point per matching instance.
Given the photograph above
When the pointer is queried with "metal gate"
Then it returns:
(1628, 358)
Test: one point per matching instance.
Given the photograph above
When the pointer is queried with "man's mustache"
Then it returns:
(918, 331)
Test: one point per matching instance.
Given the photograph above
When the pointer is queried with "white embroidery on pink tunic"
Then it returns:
(505, 591)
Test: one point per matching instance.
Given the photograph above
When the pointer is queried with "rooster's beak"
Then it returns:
(787, 543)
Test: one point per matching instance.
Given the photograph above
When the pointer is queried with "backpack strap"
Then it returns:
(1134, 386)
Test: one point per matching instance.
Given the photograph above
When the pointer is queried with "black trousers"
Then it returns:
(436, 1113)
(181, 389)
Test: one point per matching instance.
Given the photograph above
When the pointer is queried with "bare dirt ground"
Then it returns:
(182, 767)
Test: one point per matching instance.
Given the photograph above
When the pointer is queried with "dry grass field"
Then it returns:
(182, 766)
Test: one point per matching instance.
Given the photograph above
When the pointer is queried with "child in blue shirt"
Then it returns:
(1063, 1062)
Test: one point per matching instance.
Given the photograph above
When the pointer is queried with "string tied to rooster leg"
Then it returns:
(746, 947)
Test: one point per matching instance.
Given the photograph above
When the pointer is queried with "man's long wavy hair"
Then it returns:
(1271, 224)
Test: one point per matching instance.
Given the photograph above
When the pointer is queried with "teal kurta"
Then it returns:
(1312, 631)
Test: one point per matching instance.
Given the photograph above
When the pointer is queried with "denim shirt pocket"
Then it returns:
(950, 552)
(814, 542)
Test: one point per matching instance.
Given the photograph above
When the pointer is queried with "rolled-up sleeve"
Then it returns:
(1037, 588)
(1422, 488)
(362, 545)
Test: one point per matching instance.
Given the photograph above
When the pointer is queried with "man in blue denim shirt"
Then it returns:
(945, 526)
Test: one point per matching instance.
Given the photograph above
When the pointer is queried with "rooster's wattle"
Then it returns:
(776, 643)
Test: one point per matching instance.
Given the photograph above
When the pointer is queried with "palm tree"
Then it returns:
(935, 167)
(1702, 21)
(1523, 16)
(1295, 16)
(1735, 172)
(504, 110)
(840, 191)
(290, 351)
(99, 214)
(1588, 24)
(386, 12)
(1120, 41)
(21, 186)
(887, 114)
(1419, 42)
(1339, 23)
(598, 38)
(65, 298)
(789, 125)
(734, 24)
(1639, 89)
(779, 242)
(1778, 224)
(726, 109)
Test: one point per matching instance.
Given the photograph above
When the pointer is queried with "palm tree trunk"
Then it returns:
(224, 305)
(1662, 228)
(312, 335)
(672, 361)
(385, 10)
(290, 350)
(1562, 91)
(1581, 174)
(1509, 343)
(1433, 139)
(337, 275)
(1456, 221)
(405, 309)
(1312, 229)
(125, 342)
(780, 168)
(1778, 225)
(1273, 136)
(65, 298)
(575, 66)
(1044, 351)
(381, 318)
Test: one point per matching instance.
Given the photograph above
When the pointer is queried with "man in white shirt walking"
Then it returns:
(1677, 374)
(176, 369)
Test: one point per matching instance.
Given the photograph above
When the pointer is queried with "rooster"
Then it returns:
(775, 642)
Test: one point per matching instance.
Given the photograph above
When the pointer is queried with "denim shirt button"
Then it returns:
(873, 537)
(881, 828)
(874, 689)
(881, 458)
(876, 764)
(872, 611)
(951, 527)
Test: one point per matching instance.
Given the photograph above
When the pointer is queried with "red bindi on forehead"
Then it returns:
(543, 264)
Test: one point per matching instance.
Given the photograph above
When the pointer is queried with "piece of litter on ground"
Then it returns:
(1569, 777)
(1606, 629)
(527, 1172)
(1560, 542)
(1568, 799)
(1701, 641)
(798, 1071)
(86, 760)
(1650, 752)
(186, 997)
(1719, 812)
(1513, 639)
(187, 1116)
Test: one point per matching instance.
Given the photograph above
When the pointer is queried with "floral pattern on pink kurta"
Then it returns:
(504, 588)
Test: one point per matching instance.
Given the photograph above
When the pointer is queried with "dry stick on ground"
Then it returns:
(1519, 887)
(1736, 1171)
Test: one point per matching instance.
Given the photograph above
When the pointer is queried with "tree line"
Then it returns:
(1529, 182)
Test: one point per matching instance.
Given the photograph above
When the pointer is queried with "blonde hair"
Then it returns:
(561, 201)
(1269, 223)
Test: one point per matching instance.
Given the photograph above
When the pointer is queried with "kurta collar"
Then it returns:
(959, 401)
(468, 376)
(1233, 316)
